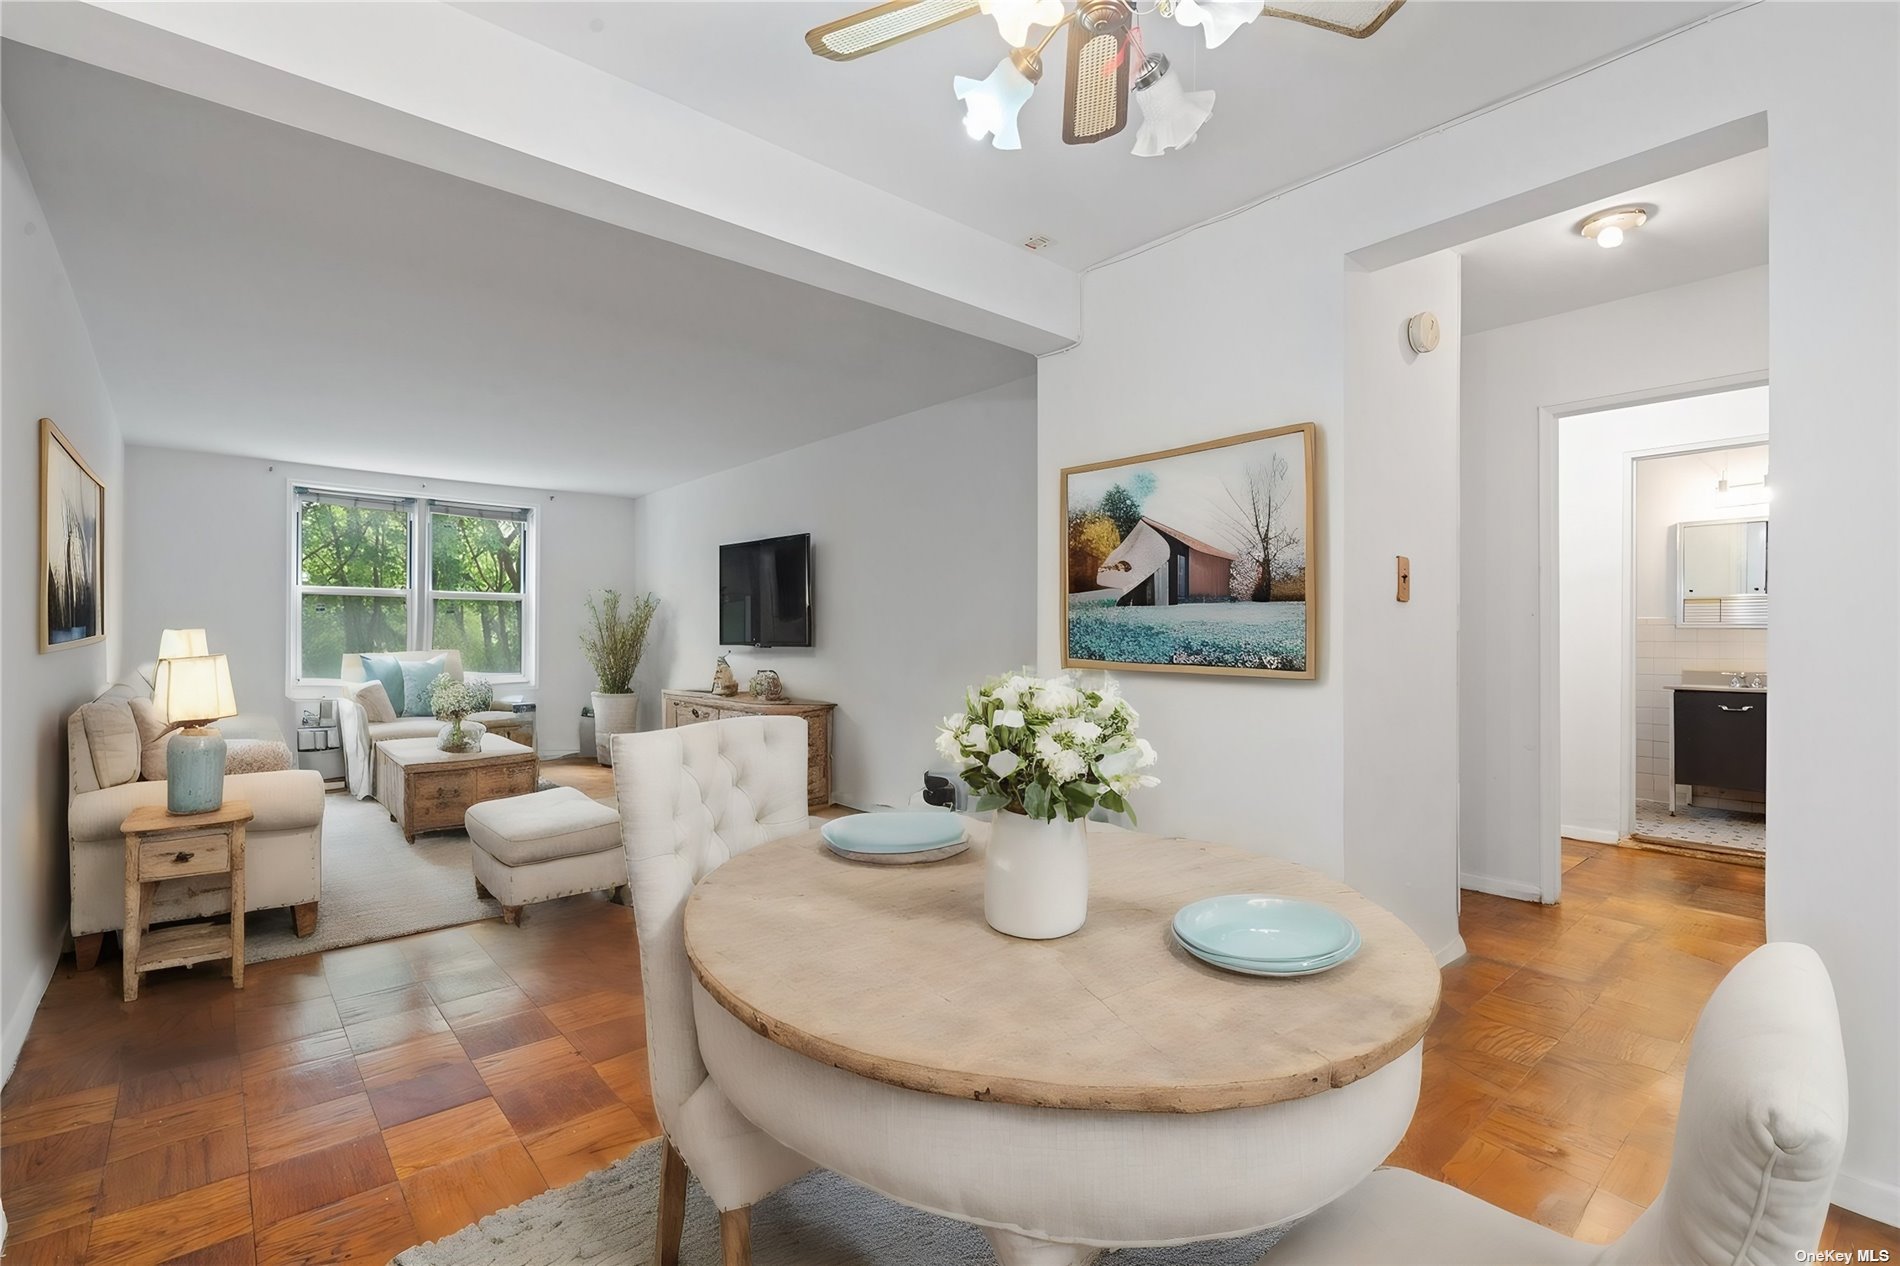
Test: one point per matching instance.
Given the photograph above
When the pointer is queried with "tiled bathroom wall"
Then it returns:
(1663, 652)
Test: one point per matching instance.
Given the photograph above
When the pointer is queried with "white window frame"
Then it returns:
(421, 594)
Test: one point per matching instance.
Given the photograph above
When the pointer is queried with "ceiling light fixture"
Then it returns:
(1606, 228)
(1105, 48)
(1170, 116)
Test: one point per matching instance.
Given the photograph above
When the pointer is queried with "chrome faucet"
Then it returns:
(1737, 680)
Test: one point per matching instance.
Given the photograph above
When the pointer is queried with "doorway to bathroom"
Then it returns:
(1663, 574)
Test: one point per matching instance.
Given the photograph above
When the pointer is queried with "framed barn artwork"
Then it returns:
(72, 545)
(1195, 560)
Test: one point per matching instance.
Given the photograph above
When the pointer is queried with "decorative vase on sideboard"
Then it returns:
(613, 714)
(1036, 885)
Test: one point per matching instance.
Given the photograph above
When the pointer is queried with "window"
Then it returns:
(379, 573)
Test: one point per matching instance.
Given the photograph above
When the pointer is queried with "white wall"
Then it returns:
(1402, 423)
(1612, 547)
(48, 370)
(1239, 324)
(921, 570)
(1710, 330)
(208, 547)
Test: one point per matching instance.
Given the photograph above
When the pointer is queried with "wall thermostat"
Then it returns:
(1422, 332)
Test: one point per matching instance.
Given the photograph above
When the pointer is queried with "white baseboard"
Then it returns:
(1450, 952)
(13, 1031)
(1590, 835)
(1868, 1197)
(1497, 886)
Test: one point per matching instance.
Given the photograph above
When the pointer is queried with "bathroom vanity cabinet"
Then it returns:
(1720, 739)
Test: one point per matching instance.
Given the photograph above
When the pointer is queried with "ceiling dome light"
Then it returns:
(1015, 17)
(991, 105)
(1217, 19)
(1170, 117)
(1608, 228)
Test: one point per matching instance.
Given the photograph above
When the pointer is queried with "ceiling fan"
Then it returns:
(1107, 64)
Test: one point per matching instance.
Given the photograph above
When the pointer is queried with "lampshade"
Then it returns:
(1170, 117)
(1015, 17)
(1217, 19)
(991, 105)
(181, 643)
(197, 689)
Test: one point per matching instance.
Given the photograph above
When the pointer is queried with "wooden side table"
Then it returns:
(162, 845)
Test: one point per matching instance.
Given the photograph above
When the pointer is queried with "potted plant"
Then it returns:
(613, 639)
(1043, 753)
(455, 701)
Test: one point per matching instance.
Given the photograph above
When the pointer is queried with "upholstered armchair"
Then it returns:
(360, 732)
(1758, 1144)
(690, 798)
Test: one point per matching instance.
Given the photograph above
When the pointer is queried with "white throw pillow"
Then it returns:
(113, 738)
(373, 699)
(152, 739)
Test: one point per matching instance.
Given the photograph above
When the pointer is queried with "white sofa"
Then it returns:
(360, 735)
(283, 856)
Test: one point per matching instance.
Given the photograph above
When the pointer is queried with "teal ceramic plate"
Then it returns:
(1262, 929)
(903, 831)
(1311, 967)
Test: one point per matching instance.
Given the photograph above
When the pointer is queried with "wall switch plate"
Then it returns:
(1405, 579)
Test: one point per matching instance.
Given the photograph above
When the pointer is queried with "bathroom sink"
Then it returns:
(1713, 679)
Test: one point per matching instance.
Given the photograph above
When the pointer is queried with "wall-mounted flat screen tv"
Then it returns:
(765, 592)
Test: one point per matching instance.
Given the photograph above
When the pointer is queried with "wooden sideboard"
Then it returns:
(688, 707)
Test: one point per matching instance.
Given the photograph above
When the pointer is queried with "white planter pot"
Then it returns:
(613, 714)
(1037, 882)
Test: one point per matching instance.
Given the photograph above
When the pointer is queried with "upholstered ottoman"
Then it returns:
(544, 845)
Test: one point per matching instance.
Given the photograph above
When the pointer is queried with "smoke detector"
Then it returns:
(1036, 242)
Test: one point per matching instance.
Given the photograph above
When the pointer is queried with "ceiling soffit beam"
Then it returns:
(441, 88)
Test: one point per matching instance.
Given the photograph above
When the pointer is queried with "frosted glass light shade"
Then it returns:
(1170, 117)
(1217, 19)
(182, 643)
(197, 689)
(1015, 17)
(991, 105)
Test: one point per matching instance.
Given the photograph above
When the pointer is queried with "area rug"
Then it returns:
(820, 1220)
(375, 885)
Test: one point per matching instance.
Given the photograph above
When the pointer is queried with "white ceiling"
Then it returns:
(255, 289)
(1704, 223)
(1294, 101)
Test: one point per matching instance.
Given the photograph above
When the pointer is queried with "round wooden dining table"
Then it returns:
(1103, 1089)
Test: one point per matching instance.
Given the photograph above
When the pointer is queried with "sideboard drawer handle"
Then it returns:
(181, 858)
(1746, 707)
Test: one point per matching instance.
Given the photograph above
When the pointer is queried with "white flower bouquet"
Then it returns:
(1047, 748)
(452, 700)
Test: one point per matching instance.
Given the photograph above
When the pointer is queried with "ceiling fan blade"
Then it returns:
(1357, 18)
(1095, 96)
(883, 26)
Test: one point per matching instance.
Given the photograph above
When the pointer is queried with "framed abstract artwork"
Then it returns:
(1195, 560)
(72, 545)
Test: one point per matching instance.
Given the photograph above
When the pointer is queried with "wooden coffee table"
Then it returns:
(427, 789)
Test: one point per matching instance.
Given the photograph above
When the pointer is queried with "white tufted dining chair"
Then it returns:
(690, 798)
(1758, 1143)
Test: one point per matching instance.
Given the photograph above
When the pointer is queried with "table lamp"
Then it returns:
(176, 644)
(195, 690)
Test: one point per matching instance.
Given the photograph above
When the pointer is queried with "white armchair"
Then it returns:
(1758, 1143)
(690, 798)
(360, 734)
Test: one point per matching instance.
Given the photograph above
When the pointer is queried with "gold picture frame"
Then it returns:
(72, 574)
(1198, 559)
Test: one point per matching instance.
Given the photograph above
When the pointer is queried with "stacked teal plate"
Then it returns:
(897, 838)
(1263, 935)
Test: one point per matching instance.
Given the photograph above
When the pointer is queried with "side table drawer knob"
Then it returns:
(181, 858)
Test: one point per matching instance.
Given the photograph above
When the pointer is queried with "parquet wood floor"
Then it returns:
(348, 1104)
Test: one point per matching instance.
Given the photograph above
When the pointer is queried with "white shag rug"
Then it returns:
(820, 1220)
(375, 885)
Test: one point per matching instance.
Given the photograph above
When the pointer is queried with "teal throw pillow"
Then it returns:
(418, 682)
(388, 670)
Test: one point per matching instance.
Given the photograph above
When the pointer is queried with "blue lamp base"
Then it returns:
(194, 770)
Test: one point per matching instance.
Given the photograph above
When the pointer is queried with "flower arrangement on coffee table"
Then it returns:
(455, 701)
